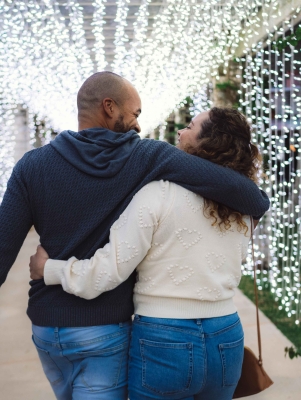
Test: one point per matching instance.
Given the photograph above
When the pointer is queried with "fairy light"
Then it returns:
(120, 64)
(77, 33)
(137, 51)
(201, 100)
(186, 44)
(98, 23)
(40, 64)
(271, 98)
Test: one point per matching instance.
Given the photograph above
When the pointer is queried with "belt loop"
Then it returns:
(199, 322)
(56, 333)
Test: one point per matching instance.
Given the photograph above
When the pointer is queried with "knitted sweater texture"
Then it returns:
(186, 268)
(73, 210)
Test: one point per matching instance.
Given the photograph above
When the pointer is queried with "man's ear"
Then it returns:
(109, 107)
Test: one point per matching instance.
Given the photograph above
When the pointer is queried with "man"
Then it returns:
(72, 191)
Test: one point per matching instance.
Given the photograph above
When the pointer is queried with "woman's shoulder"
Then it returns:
(158, 187)
(155, 195)
(186, 195)
(165, 188)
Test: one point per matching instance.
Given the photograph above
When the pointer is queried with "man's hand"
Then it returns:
(37, 263)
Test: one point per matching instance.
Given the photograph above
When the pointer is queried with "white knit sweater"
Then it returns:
(186, 267)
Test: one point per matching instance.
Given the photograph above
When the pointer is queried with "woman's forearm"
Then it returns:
(130, 240)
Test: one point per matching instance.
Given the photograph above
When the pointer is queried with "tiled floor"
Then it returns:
(21, 376)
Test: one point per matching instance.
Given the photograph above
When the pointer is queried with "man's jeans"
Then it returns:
(85, 363)
(198, 359)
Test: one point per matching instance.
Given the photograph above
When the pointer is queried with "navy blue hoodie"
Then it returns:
(73, 190)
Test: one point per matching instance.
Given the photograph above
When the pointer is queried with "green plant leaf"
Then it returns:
(227, 85)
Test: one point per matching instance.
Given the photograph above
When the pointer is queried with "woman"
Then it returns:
(187, 339)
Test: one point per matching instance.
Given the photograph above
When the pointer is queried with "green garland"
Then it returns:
(292, 40)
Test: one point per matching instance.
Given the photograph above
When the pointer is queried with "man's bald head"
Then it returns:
(107, 100)
(100, 86)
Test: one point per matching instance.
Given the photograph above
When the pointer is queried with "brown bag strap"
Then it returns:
(256, 294)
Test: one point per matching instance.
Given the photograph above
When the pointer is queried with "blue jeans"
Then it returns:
(85, 363)
(199, 359)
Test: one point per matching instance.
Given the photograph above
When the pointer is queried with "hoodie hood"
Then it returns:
(96, 151)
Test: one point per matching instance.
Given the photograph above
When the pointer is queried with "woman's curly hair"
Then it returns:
(225, 139)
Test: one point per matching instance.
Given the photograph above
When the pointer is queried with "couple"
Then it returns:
(134, 203)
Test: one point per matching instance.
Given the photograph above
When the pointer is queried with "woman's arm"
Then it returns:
(130, 239)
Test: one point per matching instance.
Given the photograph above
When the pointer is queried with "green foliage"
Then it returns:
(227, 85)
(270, 308)
(292, 40)
(292, 352)
(179, 126)
(189, 101)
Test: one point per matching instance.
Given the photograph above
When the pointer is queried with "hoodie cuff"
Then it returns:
(53, 271)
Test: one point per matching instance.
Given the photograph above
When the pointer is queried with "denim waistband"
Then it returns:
(72, 337)
(207, 326)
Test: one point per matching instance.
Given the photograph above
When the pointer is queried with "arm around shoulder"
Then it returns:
(212, 181)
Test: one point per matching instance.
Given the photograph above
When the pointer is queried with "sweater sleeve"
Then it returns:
(15, 221)
(130, 240)
(208, 179)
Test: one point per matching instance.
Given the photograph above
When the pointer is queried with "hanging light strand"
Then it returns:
(271, 97)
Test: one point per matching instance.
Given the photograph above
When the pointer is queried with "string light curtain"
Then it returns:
(45, 57)
(271, 98)
(46, 49)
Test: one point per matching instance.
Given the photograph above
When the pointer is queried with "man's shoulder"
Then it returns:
(34, 157)
(152, 145)
(36, 153)
(153, 142)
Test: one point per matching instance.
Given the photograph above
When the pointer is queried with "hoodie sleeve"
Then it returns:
(15, 221)
(130, 239)
(210, 180)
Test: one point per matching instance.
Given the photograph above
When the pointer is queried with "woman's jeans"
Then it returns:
(199, 359)
(85, 363)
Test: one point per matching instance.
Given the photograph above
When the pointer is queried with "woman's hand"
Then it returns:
(37, 263)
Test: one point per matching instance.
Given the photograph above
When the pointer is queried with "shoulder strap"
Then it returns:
(256, 294)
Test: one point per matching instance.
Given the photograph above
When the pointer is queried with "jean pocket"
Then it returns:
(100, 369)
(51, 370)
(232, 358)
(166, 367)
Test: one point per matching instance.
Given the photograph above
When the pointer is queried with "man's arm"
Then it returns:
(210, 180)
(15, 221)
